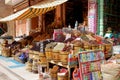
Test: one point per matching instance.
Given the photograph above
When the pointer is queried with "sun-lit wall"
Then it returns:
(12, 2)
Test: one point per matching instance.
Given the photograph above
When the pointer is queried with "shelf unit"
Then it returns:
(68, 67)
(89, 64)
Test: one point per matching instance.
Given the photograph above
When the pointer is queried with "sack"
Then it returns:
(110, 71)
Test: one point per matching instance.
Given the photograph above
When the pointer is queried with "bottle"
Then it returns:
(76, 25)
(69, 26)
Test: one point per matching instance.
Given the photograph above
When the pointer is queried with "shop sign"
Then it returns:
(92, 15)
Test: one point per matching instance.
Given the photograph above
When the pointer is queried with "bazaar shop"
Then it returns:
(68, 53)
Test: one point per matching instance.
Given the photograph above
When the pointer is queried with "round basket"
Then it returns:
(6, 52)
(94, 47)
(56, 56)
(108, 47)
(43, 60)
(87, 47)
(36, 55)
(77, 47)
(64, 57)
(102, 47)
(48, 53)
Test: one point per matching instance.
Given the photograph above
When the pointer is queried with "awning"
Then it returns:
(35, 10)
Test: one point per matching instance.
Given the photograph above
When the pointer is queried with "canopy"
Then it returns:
(34, 10)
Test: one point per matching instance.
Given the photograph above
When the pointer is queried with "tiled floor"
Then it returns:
(16, 70)
(3, 76)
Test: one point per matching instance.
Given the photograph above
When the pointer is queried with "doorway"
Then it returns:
(75, 11)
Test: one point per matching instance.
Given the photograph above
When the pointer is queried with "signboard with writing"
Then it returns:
(92, 15)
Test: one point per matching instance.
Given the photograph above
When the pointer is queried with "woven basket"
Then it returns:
(31, 54)
(48, 53)
(64, 57)
(108, 47)
(6, 52)
(94, 47)
(62, 77)
(56, 56)
(102, 47)
(43, 60)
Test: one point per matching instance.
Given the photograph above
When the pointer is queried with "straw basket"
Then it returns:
(43, 60)
(77, 49)
(56, 56)
(64, 57)
(48, 53)
(102, 47)
(31, 53)
(6, 52)
(53, 75)
(94, 47)
(108, 47)
(87, 47)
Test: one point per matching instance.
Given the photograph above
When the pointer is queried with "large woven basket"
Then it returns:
(56, 56)
(48, 53)
(108, 47)
(43, 60)
(6, 52)
(64, 57)
(62, 77)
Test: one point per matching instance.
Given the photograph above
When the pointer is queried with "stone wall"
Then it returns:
(6, 10)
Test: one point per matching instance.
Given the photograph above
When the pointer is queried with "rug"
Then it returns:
(4, 76)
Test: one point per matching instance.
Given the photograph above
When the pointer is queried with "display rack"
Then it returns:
(60, 64)
(89, 64)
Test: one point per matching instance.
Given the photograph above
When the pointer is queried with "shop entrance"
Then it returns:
(75, 11)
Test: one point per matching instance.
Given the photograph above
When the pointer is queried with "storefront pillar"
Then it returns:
(28, 26)
(11, 28)
(63, 14)
(58, 16)
(40, 22)
(92, 15)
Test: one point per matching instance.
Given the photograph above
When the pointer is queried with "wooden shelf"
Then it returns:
(60, 64)
(91, 61)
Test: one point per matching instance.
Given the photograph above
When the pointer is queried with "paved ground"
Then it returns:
(13, 70)
(4, 76)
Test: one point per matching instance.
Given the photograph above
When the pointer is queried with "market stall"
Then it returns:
(61, 54)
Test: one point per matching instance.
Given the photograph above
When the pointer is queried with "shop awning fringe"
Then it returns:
(33, 11)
